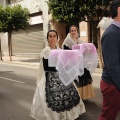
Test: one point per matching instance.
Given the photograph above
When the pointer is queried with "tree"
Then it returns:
(66, 11)
(75, 11)
(94, 12)
(13, 19)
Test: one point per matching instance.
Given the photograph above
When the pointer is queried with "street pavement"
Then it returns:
(93, 105)
(29, 61)
(22, 60)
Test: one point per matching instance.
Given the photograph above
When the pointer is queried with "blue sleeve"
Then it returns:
(111, 56)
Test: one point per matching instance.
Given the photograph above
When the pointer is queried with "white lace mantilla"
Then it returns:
(45, 52)
(69, 42)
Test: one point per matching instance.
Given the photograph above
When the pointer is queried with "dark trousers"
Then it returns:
(111, 101)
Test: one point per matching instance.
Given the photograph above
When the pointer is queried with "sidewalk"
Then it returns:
(22, 60)
(30, 61)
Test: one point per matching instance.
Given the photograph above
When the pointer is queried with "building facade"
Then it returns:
(32, 40)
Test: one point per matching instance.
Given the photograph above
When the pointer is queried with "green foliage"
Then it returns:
(96, 8)
(72, 11)
(13, 18)
(66, 11)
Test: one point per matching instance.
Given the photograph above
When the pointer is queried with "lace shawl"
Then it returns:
(69, 64)
(69, 42)
(90, 57)
(45, 53)
(105, 23)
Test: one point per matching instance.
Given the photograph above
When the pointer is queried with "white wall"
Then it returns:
(37, 6)
(1, 2)
(4, 44)
(4, 37)
(33, 5)
(45, 18)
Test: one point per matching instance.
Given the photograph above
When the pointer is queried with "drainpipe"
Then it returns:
(4, 38)
(45, 19)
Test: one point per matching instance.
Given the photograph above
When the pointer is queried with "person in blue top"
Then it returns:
(110, 83)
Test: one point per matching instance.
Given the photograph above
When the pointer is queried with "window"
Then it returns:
(7, 2)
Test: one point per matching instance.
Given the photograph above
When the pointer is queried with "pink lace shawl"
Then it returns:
(71, 63)
(67, 63)
(90, 56)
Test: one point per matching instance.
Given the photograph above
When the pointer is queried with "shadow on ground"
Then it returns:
(31, 60)
(93, 107)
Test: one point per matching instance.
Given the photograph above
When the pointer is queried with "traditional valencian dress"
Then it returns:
(52, 99)
(84, 84)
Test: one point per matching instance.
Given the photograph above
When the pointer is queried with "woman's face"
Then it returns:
(52, 38)
(74, 32)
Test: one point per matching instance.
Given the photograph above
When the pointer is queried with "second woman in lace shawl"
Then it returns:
(84, 83)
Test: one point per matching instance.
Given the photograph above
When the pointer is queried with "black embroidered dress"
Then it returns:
(52, 99)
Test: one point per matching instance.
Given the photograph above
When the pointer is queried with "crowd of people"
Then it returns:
(54, 100)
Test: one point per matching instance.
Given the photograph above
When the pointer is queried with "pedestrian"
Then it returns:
(52, 99)
(110, 83)
(72, 38)
(84, 84)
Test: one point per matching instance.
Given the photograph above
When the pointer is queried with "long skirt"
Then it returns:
(50, 101)
(84, 85)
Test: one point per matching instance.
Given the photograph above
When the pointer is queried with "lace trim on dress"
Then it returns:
(58, 96)
(45, 52)
(84, 80)
(69, 42)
